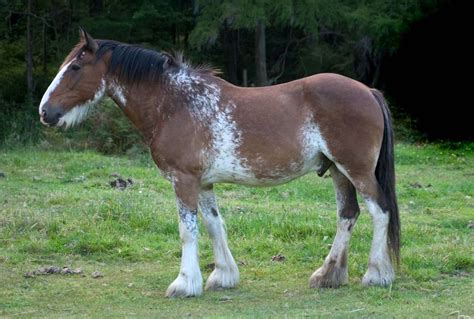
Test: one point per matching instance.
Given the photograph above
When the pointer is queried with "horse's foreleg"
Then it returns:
(333, 272)
(189, 281)
(226, 273)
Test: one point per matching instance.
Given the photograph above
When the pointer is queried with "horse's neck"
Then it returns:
(138, 104)
(146, 106)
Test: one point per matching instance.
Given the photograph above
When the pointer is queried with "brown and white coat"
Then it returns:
(203, 130)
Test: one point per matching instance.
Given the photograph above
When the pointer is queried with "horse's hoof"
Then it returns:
(329, 278)
(380, 275)
(183, 287)
(223, 279)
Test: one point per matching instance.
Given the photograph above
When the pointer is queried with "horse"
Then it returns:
(202, 130)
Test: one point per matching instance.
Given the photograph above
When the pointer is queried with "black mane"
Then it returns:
(134, 64)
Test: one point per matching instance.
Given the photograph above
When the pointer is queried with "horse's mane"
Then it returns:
(134, 64)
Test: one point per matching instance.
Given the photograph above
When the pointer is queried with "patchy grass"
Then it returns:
(56, 208)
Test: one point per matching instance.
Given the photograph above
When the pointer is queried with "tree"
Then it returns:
(271, 41)
(257, 17)
(29, 52)
(261, 54)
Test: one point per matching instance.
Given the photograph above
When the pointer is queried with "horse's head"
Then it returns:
(78, 85)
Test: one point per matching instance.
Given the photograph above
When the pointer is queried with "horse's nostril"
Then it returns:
(43, 113)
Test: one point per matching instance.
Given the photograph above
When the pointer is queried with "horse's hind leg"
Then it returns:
(226, 273)
(380, 270)
(333, 272)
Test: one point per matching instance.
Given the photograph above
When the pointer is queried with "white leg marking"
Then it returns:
(226, 273)
(333, 272)
(380, 270)
(189, 281)
(343, 235)
(57, 79)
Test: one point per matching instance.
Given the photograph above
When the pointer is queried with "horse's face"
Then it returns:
(78, 85)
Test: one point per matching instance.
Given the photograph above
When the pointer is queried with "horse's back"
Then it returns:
(334, 92)
(343, 110)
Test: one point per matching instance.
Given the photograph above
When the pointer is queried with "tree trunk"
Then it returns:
(45, 62)
(235, 56)
(230, 50)
(29, 54)
(260, 55)
(95, 7)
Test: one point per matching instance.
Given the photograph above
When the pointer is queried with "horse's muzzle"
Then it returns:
(50, 115)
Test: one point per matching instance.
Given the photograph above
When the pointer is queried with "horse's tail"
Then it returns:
(385, 173)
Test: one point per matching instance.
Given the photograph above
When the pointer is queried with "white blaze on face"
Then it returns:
(79, 112)
(57, 79)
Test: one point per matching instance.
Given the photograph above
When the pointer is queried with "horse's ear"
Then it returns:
(168, 60)
(91, 44)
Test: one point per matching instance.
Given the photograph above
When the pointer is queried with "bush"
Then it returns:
(19, 124)
(106, 130)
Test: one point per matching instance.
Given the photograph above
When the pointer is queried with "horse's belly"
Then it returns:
(260, 173)
(263, 157)
(247, 178)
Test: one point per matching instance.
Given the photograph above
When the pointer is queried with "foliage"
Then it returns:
(303, 38)
(107, 130)
(56, 208)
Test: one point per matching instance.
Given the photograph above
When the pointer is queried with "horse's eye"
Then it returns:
(75, 67)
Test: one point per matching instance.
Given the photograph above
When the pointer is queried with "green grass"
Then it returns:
(56, 208)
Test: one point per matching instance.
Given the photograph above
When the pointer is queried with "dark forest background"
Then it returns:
(413, 50)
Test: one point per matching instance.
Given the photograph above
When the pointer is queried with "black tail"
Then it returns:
(385, 173)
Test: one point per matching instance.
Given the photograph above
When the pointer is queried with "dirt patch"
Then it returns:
(51, 270)
(225, 299)
(461, 273)
(418, 185)
(279, 258)
(121, 183)
(55, 270)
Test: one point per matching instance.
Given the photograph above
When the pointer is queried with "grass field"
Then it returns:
(57, 208)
